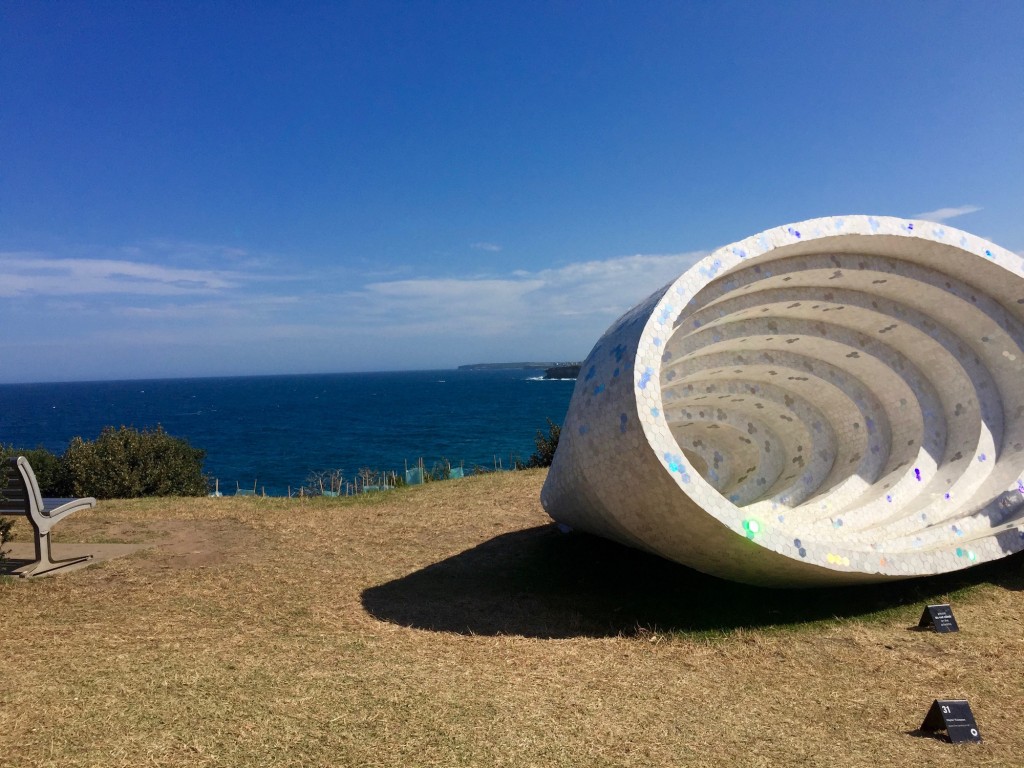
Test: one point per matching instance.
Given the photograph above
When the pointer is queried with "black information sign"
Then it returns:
(955, 717)
(938, 617)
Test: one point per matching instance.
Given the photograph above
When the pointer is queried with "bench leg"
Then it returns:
(44, 559)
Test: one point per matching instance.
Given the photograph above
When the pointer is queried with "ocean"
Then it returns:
(274, 431)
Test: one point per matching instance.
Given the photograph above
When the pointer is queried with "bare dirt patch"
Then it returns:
(202, 543)
(172, 543)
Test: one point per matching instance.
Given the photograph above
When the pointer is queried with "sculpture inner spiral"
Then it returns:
(832, 401)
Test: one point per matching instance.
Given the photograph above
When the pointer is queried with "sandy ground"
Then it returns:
(179, 544)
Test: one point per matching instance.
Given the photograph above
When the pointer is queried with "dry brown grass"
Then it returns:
(450, 625)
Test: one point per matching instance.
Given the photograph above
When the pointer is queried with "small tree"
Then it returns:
(441, 470)
(546, 446)
(326, 482)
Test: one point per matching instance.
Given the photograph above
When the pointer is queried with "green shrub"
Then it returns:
(546, 446)
(5, 535)
(51, 474)
(126, 463)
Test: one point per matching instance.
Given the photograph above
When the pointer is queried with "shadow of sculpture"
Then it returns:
(541, 583)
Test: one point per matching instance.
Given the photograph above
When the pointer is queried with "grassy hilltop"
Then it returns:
(450, 624)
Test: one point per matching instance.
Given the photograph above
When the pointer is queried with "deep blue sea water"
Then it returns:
(275, 430)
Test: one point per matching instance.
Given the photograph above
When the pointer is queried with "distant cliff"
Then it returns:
(551, 370)
(504, 366)
(562, 371)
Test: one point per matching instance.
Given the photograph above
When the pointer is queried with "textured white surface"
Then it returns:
(828, 402)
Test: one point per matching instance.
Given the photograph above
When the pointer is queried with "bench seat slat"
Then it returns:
(54, 506)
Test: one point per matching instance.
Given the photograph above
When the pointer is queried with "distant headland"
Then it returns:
(559, 370)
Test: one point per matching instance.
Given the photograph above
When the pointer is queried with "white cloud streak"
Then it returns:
(556, 312)
(28, 274)
(127, 311)
(944, 214)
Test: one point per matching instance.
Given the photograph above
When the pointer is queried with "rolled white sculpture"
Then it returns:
(835, 401)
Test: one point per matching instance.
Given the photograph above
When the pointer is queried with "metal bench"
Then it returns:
(19, 495)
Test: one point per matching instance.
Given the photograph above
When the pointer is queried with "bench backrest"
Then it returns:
(20, 490)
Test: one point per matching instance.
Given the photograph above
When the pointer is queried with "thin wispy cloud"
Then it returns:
(240, 307)
(944, 214)
(492, 247)
(576, 298)
(35, 275)
(153, 268)
(128, 312)
(192, 252)
(468, 307)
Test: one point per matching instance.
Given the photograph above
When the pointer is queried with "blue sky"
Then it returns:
(247, 188)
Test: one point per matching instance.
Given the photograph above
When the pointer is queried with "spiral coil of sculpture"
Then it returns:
(830, 402)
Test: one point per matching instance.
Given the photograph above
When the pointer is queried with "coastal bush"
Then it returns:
(5, 535)
(546, 446)
(126, 463)
(49, 469)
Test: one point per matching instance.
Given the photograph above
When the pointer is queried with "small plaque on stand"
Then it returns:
(938, 617)
(954, 716)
